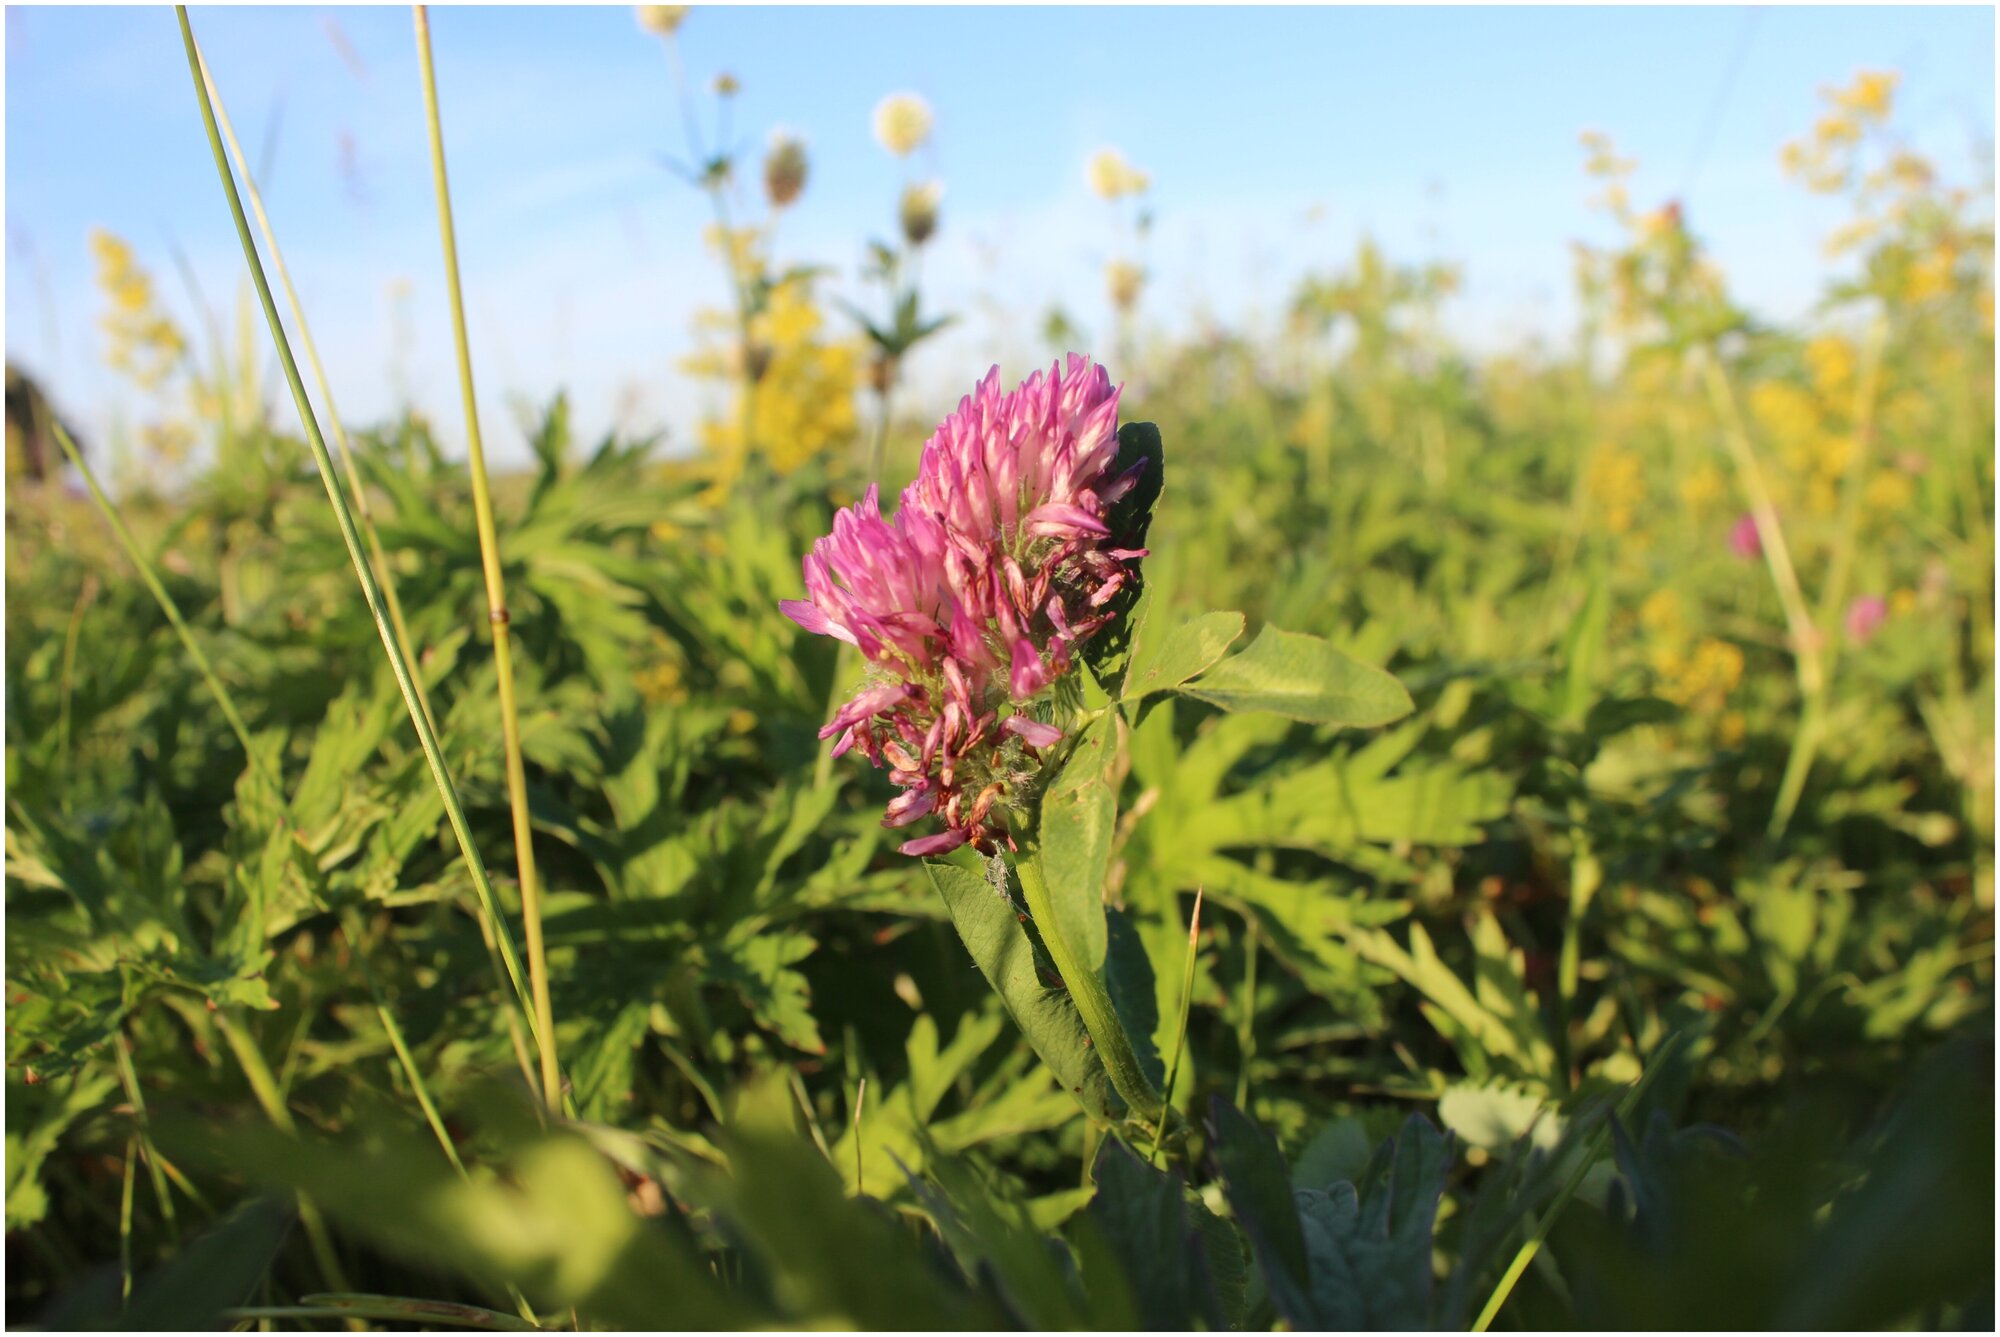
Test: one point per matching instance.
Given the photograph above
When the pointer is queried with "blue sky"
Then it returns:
(1274, 138)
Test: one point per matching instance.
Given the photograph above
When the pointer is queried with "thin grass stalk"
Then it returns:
(496, 592)
(125, 1224)
(1539, 1235)
(371, 592)
(265, 1088)
(1805, 636)
(223, 700)
(363, 510)
(83, 598)
(1812, 729)
(128, 1077)
(386, 1308)
(1180, 1023)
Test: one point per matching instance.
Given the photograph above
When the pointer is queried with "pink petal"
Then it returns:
(909, 807)
(1032, 732)
(1060, 520)
(808, 615)
(937, 844)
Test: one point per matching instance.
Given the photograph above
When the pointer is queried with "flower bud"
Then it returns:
(1124, 280)
(785, 168)
(919, 211)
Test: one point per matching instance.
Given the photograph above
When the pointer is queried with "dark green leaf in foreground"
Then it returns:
(556, 1224)
(1304, 678)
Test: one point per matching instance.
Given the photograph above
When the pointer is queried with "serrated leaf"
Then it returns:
(1303, 678)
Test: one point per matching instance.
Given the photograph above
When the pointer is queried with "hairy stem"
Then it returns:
(1087, 991)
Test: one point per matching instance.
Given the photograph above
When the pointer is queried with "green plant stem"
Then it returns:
(1180, 1022)
(1805, 636)
(371, 592)
(167, 605)
(387, 1308)
(128, 1077)
(496, 593)
(362, 508)
(351, 924)
(69, 675)
(1087, 991)
(265, 1088)
(125, 1223)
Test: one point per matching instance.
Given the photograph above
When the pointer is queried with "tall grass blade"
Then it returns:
(377, 607)
(496, 592)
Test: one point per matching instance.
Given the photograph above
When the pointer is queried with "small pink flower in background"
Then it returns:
(1743, 539)
(1865, 615)
(972, 602)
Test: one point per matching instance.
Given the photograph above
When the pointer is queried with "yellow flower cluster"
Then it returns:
(1697, 675)
(802, 406)
(1614, 484)
(142, 340)
(1113, 178)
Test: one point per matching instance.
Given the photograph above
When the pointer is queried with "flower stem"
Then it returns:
(1087, 991)
(1805, 637)
(496, 594)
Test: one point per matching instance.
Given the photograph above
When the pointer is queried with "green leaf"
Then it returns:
(1079, 812)
(191, 1290)
(1165, 657)
(554, 1221)
(1583, 652)
(1303, 678)
(1259, 1191)
(1128, 978)
(1143, 1215)
(992, 931)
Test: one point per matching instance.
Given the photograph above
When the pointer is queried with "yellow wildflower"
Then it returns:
(1615, 484)
(1111, 177)
(1830, 363)
(1889, 491)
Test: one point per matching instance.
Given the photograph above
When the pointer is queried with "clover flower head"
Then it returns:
(971, 604)
(1744, 540)
(1865, 616)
